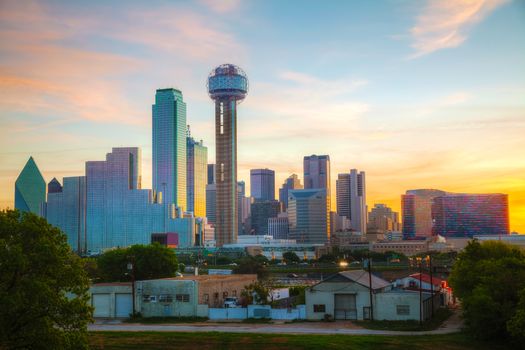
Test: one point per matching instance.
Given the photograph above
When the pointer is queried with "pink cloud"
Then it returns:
(446, 24)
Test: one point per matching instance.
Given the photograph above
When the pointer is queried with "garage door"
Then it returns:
(123, 305)
(345, 308)
(101, 304)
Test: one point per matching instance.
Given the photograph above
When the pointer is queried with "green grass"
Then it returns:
(439, 317)
(158, 320)
(216, 340)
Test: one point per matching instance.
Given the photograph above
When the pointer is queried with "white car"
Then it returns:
(230, 302)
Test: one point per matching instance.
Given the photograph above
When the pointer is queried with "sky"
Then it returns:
(418, 94)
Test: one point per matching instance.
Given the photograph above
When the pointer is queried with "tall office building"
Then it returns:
(261, 211)
(317, 176)
(197, 177)
(416, 210)
(278, 226)
(169, 147)
(211, 174)
(307, 217)
(66, 209)
(262, 184)
(351, 198)
(383, 218)
(466, 215)
(342, 191)
(211, 207)
(119, 213)
(30, 189)
(227, 86)
(291, 183)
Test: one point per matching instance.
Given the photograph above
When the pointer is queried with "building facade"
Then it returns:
(307, 216)
(278, 226)
(211, 174)
(316, 171)
(262, 184)
(30, 189)
(66, 209)
(351, 198)
(291, 183)
(169, 147)
(261, 211)
(466, 215)
(197, 177)
(383, 218)
(416, 206)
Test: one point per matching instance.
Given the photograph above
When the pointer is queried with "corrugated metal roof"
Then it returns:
(361, 277)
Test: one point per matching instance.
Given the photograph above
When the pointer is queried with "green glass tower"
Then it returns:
(30, 189)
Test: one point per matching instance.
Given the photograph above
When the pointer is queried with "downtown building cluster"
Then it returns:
(194, 203)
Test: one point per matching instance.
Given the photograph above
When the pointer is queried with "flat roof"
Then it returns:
(210, 277)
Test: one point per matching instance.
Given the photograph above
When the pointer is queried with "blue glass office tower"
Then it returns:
(169, 147)
(30, 189)
(262, 184)
(197, 177)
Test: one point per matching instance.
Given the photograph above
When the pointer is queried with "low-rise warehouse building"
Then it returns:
(178, 296)
(346, 296)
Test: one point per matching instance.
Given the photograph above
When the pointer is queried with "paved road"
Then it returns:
(451, 326)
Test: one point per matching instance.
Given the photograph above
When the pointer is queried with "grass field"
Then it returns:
(239, 341)
(441, 316)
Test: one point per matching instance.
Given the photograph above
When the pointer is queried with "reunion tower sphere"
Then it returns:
(227, 81)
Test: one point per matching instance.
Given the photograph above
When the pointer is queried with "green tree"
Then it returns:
(487, 277)
(249, 264)
(256, 293)
(43, 286)
(150, 262)
(291, 257)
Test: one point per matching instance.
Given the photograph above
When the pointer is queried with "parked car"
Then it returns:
(230, 302)
(292, 275)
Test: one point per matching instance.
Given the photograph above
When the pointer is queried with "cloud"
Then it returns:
(446, 24)
(223, 6)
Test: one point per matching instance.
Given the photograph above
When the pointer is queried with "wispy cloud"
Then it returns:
(223, 6)
(446, 24)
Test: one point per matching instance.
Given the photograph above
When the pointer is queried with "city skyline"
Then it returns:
(459, 134)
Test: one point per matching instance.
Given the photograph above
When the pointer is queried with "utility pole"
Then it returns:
(131, 269)
(420, 262)
(431, 283)
(370, 285)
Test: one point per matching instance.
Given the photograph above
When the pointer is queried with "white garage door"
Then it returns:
(101, 304)
(123, 305)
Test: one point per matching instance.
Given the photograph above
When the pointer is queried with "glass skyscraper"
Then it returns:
(416, 210)
(30, 189)
(291, 183)
(466, 215)
(197, 167)
(317, 176)
(351, 199)
(307, 216)
(66, 209)
(169, 147)
(262, 184)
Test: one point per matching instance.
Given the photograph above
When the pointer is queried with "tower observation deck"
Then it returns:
(227, 86)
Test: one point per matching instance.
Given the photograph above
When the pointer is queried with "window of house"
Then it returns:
(319, 308)
(165, 298)
(145, 298)
(403, 309)
(234, 293)
(216, 296)
(184, 298)
(206, 297)
(224, 294)
(153, 298)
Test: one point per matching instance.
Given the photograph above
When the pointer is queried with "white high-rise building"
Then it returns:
(351, 198)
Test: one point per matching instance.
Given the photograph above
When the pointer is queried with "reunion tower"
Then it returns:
(227, 86)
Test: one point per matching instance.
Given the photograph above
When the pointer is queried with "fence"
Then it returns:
(257, 311)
